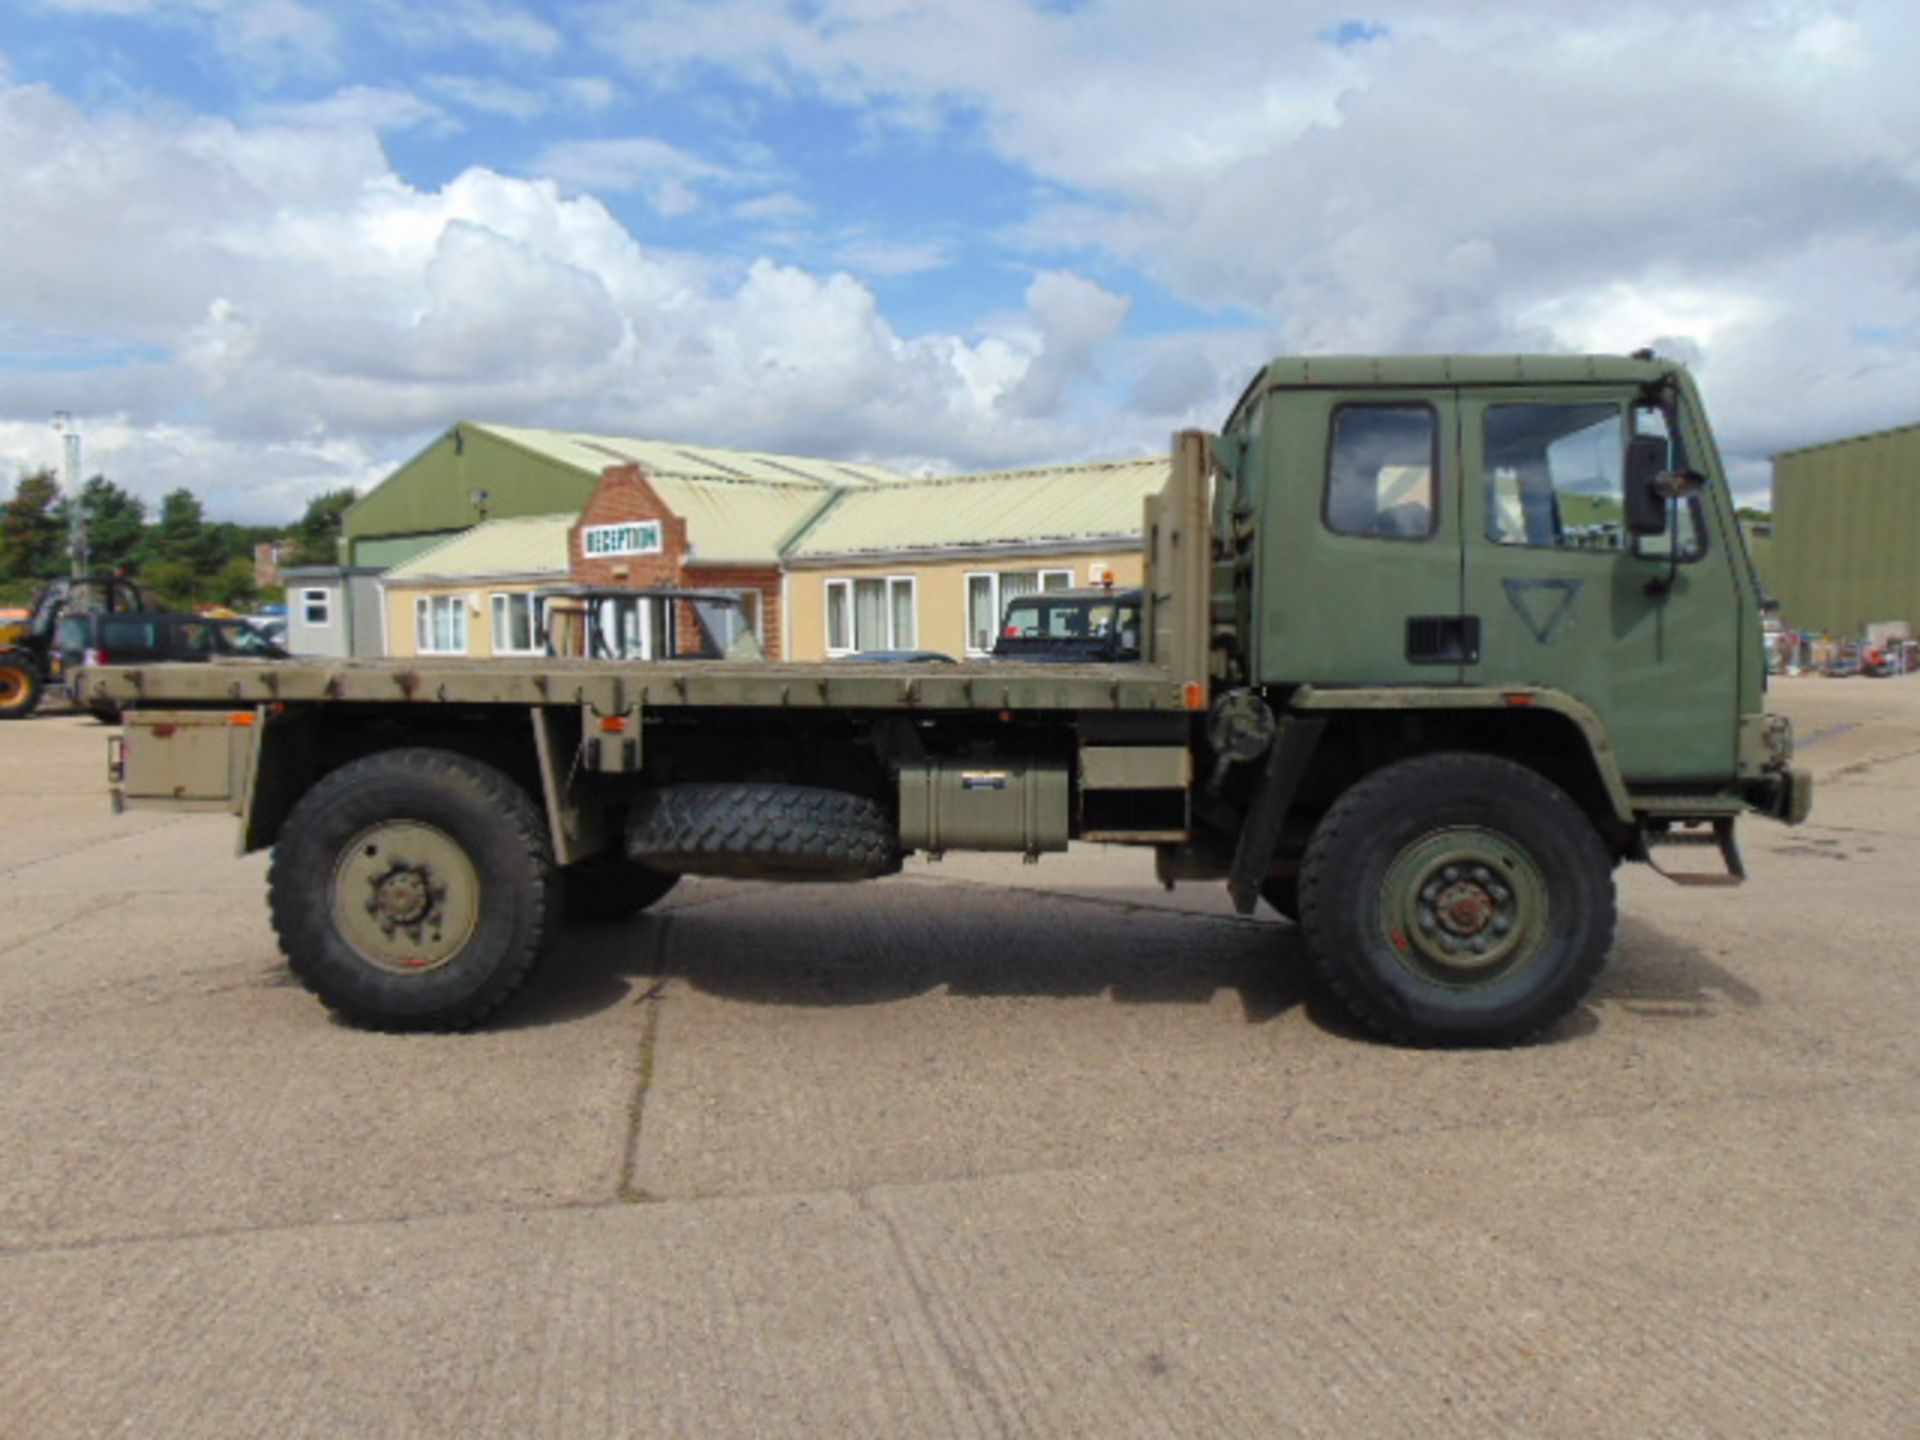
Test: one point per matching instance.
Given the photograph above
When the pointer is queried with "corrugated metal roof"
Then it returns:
(739, 522)
(593, 453)
(1870, 437)
(1060, 503)
(526, 545)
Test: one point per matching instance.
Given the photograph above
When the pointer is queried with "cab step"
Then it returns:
(1715, 831)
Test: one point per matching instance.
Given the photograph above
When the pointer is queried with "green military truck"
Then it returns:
(1432, 645)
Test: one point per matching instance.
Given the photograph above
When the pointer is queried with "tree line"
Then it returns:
(181, 559)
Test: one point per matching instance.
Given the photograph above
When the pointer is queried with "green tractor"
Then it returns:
(29, 657)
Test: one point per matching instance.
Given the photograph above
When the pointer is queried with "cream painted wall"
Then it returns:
(404, 643)
(940, 594)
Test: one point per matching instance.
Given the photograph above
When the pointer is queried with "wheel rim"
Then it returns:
(13, 689)
(406, 897)
(1463, 906)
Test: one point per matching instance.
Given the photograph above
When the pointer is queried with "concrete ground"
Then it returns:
(985, 1149)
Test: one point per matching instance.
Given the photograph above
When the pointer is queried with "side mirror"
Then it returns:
(1646, 466)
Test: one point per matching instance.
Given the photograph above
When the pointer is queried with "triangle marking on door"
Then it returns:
(1544, 605)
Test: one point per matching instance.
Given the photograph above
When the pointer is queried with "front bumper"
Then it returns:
(1768, 781)
(1785, 794)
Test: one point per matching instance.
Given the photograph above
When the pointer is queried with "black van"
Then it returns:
(155, 638)
(1101, 624)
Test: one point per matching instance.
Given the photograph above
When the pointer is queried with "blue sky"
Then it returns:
(265, 247)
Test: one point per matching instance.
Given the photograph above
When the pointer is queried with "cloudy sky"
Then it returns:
(266, 247)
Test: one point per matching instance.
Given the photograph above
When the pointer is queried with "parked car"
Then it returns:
(1066, 625)
(155, 638)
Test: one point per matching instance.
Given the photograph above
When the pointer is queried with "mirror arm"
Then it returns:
(1661, 586)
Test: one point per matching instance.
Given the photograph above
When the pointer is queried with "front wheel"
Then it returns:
(1457, 899)
(20, 687)
(413, 890)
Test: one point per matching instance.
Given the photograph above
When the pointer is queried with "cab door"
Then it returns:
(1567, 599)
(1360, 574)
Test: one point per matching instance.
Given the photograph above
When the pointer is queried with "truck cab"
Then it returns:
(1558, 526)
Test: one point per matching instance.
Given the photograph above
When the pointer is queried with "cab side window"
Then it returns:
(1382, 470)
(1554, 476)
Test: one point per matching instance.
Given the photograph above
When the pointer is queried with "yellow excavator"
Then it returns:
(29, 654)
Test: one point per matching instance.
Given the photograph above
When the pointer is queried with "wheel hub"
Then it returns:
(1463, 905)
(406, 897)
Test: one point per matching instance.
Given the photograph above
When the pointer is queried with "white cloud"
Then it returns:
(361, 107)
(251, 483)
(872, 255)
(1738, 181)
(589, 92)
(1071, 319)
(509, 31)
(317, 317)
(488, 95)
(782, 206)
(1471, 177)
(664, 174)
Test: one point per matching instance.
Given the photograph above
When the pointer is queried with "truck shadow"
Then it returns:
(1655, 975)
(820, 946)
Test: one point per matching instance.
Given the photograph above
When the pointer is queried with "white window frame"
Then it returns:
(423, 628)
(324, 600)
(845, 585)
(911, 640)
(998, 605)
(503, 600)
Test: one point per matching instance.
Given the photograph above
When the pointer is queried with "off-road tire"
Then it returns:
(1537, 848)
(487, 817)
(106, 714)
(760, 831)
(608, 887)
(21, 686)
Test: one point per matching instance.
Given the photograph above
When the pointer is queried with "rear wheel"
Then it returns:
(1457, 900)
(20, 687)
(413, 889)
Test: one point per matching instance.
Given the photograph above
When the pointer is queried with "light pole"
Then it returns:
(69, 434)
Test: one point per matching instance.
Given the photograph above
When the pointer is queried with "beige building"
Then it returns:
(912, 565)
(474, 594)
(928, 565)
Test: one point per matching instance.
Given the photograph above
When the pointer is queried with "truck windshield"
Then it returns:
(649, 625)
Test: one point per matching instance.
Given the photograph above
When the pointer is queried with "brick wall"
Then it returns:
(624, 496)
(764, 579)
